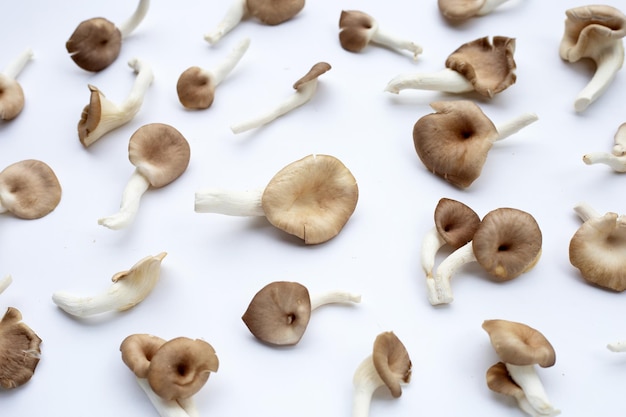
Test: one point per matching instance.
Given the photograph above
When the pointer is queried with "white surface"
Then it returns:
(215, 263)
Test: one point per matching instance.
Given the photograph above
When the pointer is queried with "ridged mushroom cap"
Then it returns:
(519, 344)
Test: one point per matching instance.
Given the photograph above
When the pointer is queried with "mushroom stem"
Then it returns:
(619, 346)
(439, 288)
(366, 380)
(5, 282)
(13, 69)
(515, 125)
(234, 15)
(231, 203)
(608, 61)
(585, 211)
(489, 6)
(382, 37)
(446, 80)
(225, 67)
(431, 244)
(133, 21)
(332, 297)
(131, 197)
(144, 79)
(616, 162)
(165, 408)
(527, 378)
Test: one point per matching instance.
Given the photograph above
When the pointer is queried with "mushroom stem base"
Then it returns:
(446, 80)
(366, 380)
(167, 408)
(234, 15)
(608, 62)
(439, 289)
(526, 377)
(131, 197)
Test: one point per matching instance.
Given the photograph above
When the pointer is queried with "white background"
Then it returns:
(215, 263)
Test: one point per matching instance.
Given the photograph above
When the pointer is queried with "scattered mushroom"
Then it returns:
(101, 115)
(160, 154)
(459, 10)
(19, 350)
(358, 29)
(454, 142)
(506, 244)
(129, 288)
(619, 346)
(389, 366)
(594, 32)
(305, 89)
(269, 12)
(5, 282)
(484, 65)
(11, 92)
(196, 85)
(616, 160)
(520, 348)
(311, 198)
(96, 43)
(279, 313)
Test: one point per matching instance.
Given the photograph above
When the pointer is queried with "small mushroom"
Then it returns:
(129, 288)
(459, 10)
(454, 142)
(389, 366)
(29, 189)
(160, 154)
(521, 347)
(196, 85)
(305, 89)
(269, 12)
(358, 29)
(311, 198)
(594, 32)
(484, 65)
(616, 160)
(11, 92)
(101, 115)
(96, 43)
(280, 312)
(506, 244)
(19, 350)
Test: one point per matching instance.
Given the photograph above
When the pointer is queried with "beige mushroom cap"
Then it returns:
(29, 189)
(95, 44)
(499, 380)
(19, 350)
(138, 350)
(456, 222)
(519, 344)
(11, 98)
(274, 12)
(159, 152)
(392, 362)
(311, 198)
(195, 88)
(355, 26)
(459, 9)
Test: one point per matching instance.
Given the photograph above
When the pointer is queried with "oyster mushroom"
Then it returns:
(459, 10)
(19, 350)
(96, 43)
(594, 32)
(616, 160)
(280, 312)
(311, 198)
(484, 65)
(11, 92)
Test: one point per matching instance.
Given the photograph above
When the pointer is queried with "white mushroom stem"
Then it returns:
(619, 346)
(528, 380)
(237, 11)
(446, 80)
(225, 67)
(5, 282)
(489, 6)
(382, 37)
(585, 211)
(431, 243)
(615, 162)
(137, 185)
(514, 125)
(365, 381)
(439, 288)
(144, 79)
(13, 69)
(168, 408)
(133, 21)
(608, 61)
(231, 203)
(333, 297)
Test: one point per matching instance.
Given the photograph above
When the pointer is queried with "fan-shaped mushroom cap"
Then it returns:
(499, 380)
(456, 222)
(19, 350)
(195, 88)
(159, 152)
(29, 189)
(315, 71)
(91, 115)
(519, 344)
(274, 12)
(95, 44)
(311, 198)
(11, 98)
(392, 362)
(355, 29)
(138, 350)
(459, 9)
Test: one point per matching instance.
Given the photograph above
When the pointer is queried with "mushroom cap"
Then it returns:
(274, 12)
(95, 44)
(195, 88)
(486, 63)
(159, 152)
(138, 351)
(499, 380)
(91, 115)
(29, 189)
(392, 362)
(311, 198)
(11, 98)
(315, 71)
(588, 29)
(598, 250)
(454, 142)
(279, 313)
(355, 29)
(519, 344)
(180, 367)
(456, 222)
(507, 243)
(19, 350)
(459, 9)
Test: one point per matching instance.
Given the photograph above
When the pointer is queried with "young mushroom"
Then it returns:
(280, 312)
(11, 92)
(594, 32)
(454, 142)
(102, 115)
(506, 244)
(269, 12)
(196, 85)
(311, 198)
(19, 350)
(616, 160)
(160, 154)
(459, 10)
(520, 348)
(96, 43)
(389, 366)
(358, 29)
(129, 288)
(305, 89)
(484, 65)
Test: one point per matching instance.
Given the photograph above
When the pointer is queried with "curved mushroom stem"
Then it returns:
(527, 378)
(333, 297)
(439, 289)
(167, 408)
(515, 125)
(366, 380)
(224, 68)
(13, 69)
(431, 244)
(231, 203)
(489, 6)
(619, 346)
(382, 37)
(608, 62)
(585, 211)
(144, 79)
(133, 21)
(615, 162)
(5, 282)
(131, 197)
(446, 80)
(237, 11)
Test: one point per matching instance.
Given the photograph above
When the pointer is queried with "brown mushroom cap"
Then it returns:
(311, 198)
(507, 243)
(29, 189)
(195, 88)
(19, 350)
(354, 33)
(486, 63)
(499, 380)
(519, 344)
(159, 152)
(274, 12)
(392, 362)
(11, 98)
(456, 222)
(454, 142)
(279, 313)
(138, 350)
(315, 71)
(459, 9)
(95, 44)
(91, 115)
